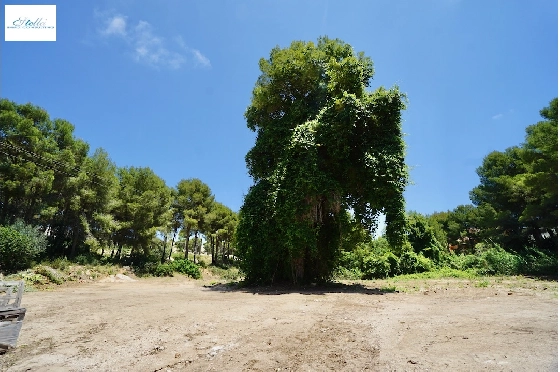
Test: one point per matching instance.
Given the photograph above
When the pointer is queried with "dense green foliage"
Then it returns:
(182, 266)
(186, 267)
(20, 245)
(83, 203)
(519, 188)
(325, 145)
(328, 160)
(376, 261)
(511, 229)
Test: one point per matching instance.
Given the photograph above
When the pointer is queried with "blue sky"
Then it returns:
(165, 83)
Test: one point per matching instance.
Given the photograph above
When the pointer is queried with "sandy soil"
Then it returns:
(178, 324)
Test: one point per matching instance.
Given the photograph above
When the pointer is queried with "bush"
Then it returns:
(348, 274)
(538, 262)
(165, 269)
(20, 245)
(186, 267)
(227, 273)
(379, 246)
(490, 260)
(59, 264)
(471, 261)
(31, 278)
(394, 263)
(411, 263)
(451, 261)
(380, 267)
(424, 264)
(87, 259)
(201, 262)
(349, 260)
(500, 262)
(434, 253)
(141, 263)
(53, 275)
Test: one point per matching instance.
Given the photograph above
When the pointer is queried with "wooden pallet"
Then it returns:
(11, 313)
(10, 294)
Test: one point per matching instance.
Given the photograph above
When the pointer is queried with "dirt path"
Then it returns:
(176, 324)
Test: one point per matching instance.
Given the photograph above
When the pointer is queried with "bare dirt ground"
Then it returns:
(179, 324)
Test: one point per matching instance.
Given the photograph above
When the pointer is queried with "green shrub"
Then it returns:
(31, 277)
(379, 246)
(59, 263)
(186, 267)
(350, 260)
(451, 261)
(394, 263)
(201, 262)
(348, 274)
(53, 275)
(434, 253)
(471, 261)
(141, 263)
(424, 264)
(165, 269)
(411, 263)
(20, 245)
(376, 267)
(178, 255)
(227, 273)
(501, 262)
(146, 268)
(538, 262)
(488, 260)
(87, 259)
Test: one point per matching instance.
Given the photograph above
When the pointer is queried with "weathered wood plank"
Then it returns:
(11, 314)
(11, 293)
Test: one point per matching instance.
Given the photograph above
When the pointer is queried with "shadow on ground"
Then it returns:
(319, 289)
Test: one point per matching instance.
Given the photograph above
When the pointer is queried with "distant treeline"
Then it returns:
(84, 203)
(511, 227)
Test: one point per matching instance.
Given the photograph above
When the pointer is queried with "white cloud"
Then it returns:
(115, 26)
(147, 47)
(150, 49)
(181, 42)
(497, 116)
(200, 58)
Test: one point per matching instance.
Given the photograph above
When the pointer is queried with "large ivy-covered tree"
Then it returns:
(325, 145)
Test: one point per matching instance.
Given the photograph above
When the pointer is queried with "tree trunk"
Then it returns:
(215, 248)
(212, 250)
(164, 247)
(173, 241)
(228, 251)
(194, 245)
(187, 243)
(119, 252)
(29, 212)
(74, 244)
